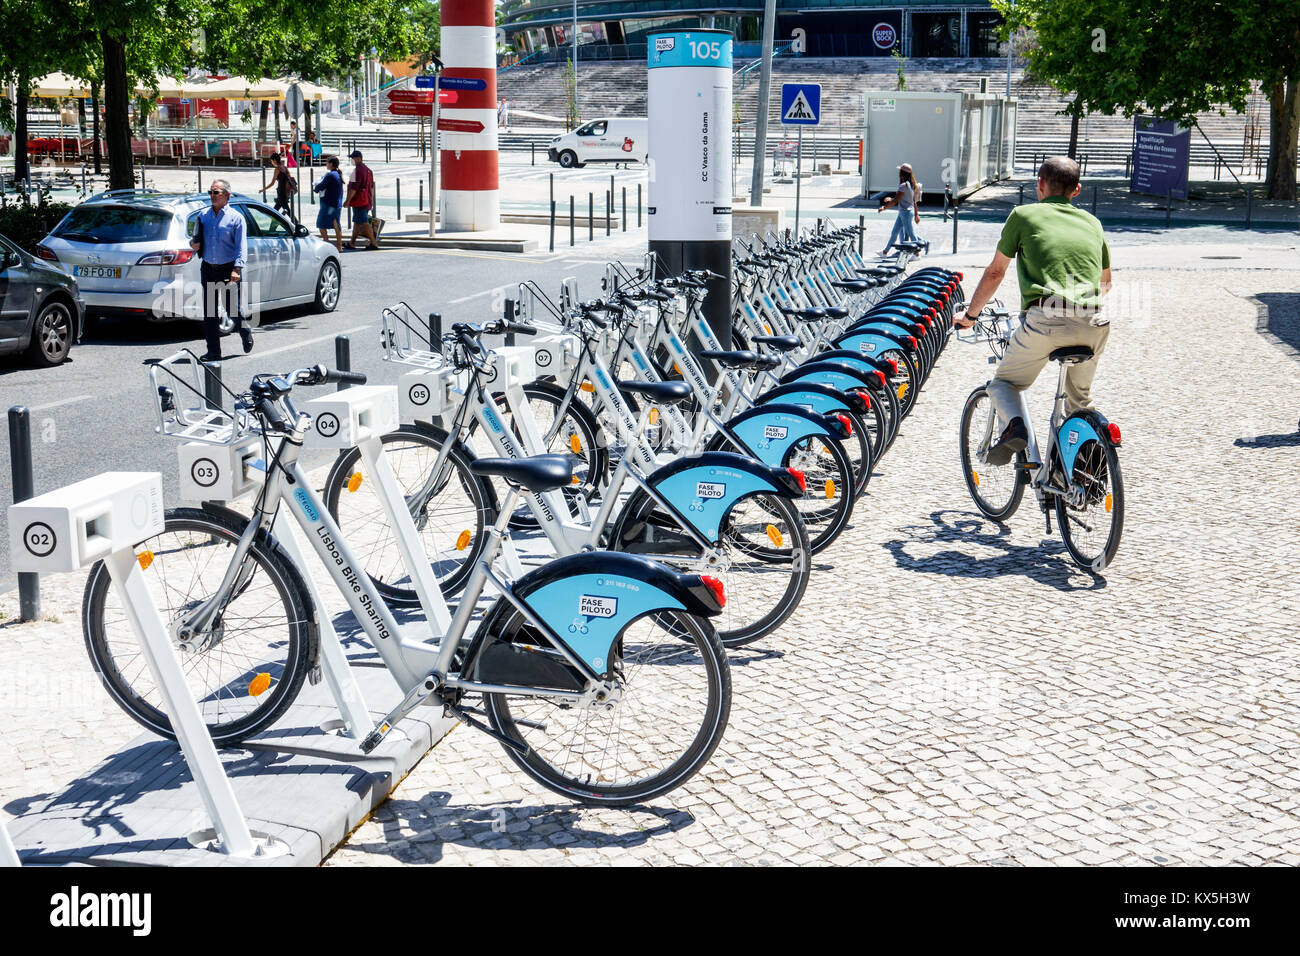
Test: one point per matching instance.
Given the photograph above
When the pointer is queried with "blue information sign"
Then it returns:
(1161, 151)
(801, 104)
(451, 83)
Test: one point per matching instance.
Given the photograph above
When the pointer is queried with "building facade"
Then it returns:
(617, 29)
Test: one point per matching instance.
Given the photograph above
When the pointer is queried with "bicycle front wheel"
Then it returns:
(249, 666)
(995, 489)
(666, 718)
(1091, 519)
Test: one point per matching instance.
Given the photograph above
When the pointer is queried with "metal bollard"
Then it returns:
(638, 205)
(570, 219)
(212, 384)
(862, 227)
(591, 217)
(551, 247)
(435, 331)
(625, 209)
(83, 179)
(609, 210)
(342, 357)
(399, 200)
(508, 313)
(955, 208)
(532, 154)
(24, 485)
(421, 194)
(1021, 201)
(1094, 200)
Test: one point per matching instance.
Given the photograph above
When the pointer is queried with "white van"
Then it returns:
(614, 139)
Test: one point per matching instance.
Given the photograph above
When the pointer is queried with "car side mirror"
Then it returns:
(302, 232)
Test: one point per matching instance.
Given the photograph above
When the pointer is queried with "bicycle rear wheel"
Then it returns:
(250, 666)
(671, 709)
(1092, 520)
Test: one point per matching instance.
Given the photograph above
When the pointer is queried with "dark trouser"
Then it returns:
(285, 204)
(218, 287)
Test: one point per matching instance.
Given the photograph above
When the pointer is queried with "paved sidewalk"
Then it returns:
(979, 699)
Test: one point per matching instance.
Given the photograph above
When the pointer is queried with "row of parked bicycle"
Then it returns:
(668, 494)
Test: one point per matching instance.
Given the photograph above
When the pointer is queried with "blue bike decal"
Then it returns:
(704, 494)
(587, 611)
(817, 401)
(1074, 434)
(304, 502)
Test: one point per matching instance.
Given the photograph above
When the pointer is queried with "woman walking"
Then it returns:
(330, 187)
(907, 199)
(284, 186)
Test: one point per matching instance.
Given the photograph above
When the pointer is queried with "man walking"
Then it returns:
(1063, 267)
(221, 240)
(360, 198)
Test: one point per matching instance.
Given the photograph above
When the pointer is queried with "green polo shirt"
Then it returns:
(1059, 252)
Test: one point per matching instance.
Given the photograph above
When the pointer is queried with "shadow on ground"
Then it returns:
(976, 536)
(416, 831)
(1279, 318)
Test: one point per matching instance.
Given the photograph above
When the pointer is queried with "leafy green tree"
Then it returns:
(1172, 59)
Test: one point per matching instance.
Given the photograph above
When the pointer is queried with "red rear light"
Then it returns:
(799, 477)
(959, 276)
(44, 252)
(1113, 431)
(848, 425)
(866, 399)
(912, 342)
(919, 329)
(893, 364)
(714, 585)
(883, 381)
(172, 257)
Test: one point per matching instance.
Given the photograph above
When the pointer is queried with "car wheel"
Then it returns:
(568, 159)
(328, 284)
(51, 334)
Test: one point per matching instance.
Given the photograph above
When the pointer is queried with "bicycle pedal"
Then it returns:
(1028, 465)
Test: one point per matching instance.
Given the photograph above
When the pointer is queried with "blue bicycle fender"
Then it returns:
(870, 344)
(768, 431)
(823, 399)
(589, 599)
(837, 375)
(703, 488)
(1075, 432)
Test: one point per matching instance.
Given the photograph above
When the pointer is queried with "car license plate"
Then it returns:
(97, 272)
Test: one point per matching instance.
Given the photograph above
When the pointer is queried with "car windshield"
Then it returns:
(113, 224)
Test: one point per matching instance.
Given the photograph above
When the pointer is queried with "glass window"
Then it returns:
(594, 129)
(111, 224)
(936, 34)
(266, 223)
(982, 28)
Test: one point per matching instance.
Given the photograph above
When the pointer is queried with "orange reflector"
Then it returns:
(975, 477)
(775, 536)
(575, 444)
(677, 368)
(830, 488)
(355, 481)
(575, 480)
(902, 390)
(1110, 503)
(587, 387)
(462, 540)
(654, 416)
(146, 558)
(767, 328)
(259, 684)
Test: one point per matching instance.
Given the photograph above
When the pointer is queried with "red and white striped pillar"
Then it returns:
(470, 189)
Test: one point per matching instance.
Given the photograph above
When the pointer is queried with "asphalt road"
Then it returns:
(95, 412)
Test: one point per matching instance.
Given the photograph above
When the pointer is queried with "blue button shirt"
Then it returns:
(225, 237)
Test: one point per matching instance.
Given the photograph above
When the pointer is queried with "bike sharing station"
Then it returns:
(285, 797)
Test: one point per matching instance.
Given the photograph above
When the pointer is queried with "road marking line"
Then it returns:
(295, 345)
(467, 298)
(64, 401)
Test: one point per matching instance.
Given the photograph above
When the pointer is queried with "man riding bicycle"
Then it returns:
(1063, 267)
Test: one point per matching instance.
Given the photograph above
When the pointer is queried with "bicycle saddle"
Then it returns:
(539, 473)
(739, 358)
(853, 285)
(779, 343)
(659, 393)
(1072, 354)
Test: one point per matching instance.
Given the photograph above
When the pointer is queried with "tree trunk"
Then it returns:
(21, 168)
(117, 113)
(278, 136)
(306, 123)
(81, 116)
(1074, 135)
(94, 109)
(1284, 139)
(261, 121)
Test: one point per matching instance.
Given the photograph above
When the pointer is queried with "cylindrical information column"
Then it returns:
(470, 197)
(689, 109)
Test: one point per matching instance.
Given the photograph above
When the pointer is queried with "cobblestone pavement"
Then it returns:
(951, 690)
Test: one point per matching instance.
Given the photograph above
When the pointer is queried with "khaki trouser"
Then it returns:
(1042, 330)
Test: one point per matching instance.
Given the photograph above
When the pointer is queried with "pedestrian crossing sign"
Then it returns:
(801, 104)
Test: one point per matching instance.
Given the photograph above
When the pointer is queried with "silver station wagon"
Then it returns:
(129, 251)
